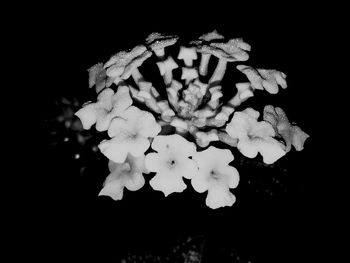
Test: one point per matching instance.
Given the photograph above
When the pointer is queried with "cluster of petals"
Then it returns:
(129, 133)
(255, 137)
(291, 134)
(171, 163)
(215, 176)
(109, 105)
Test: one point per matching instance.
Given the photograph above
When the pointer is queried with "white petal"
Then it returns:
(113, 189)
(200, 182)
(247, 148)
(251, 113)
(147, 125)
(137, 163)
(87, 115)
(114, 150)
(152, 162)
(271, 150)
(230, 176)
(212, 157)
(175, 143)
(135, 182)
(138, 146)
(298, 138)
(262, 129)
(121, 100)
(238, 126)
(104, 99)
(103, 122)
(187, 168)
(167, 183)
(117, 127)
(219, 197)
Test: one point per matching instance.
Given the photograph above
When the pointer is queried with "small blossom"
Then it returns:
(171, 163)
(254, 136)
(127, 174)
(215, 176)
(108, 106)
(291, 134)
(129, 134)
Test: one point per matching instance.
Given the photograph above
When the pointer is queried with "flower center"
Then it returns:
(214, 175)
(126, 167)
(253, 137)
(132, 135)
(171, 163)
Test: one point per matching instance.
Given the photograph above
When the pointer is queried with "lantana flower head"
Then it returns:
(127, 174)
(108, 106)
(171, 163)
(254, 136)
(130, 133)
(215, 176)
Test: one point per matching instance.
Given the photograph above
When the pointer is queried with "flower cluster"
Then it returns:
(193, 108)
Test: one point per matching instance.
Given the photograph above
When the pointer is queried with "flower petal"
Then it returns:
(229, 175)
(212, 157)
(138, 146)
(251, 113)
(219, 197)
(103, 121)
(104, 99)
(271, 150)
(137, 163)
(187, 168)
(117, 126)
(114, 150)
(298, 138)
(175, 143)
(148, 126)
(152, 162)
(167, 183)
(200, 183)
(247, 148)
(121, 100)
(113, 189)
(87, 115)
(135, 182)
(262, 129)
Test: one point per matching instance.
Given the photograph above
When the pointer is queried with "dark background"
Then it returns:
(260, 226)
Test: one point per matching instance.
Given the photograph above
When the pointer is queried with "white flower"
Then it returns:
(171, 163)
(291, 134)
(127, 174)
(254, 136)
(216, 176)
(108, 106)
(129, 134)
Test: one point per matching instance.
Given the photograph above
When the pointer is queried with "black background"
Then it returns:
(74, 222)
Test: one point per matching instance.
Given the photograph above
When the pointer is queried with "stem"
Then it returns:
(219, 71)
(136, 75)
(203, 66)
(168, 77)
